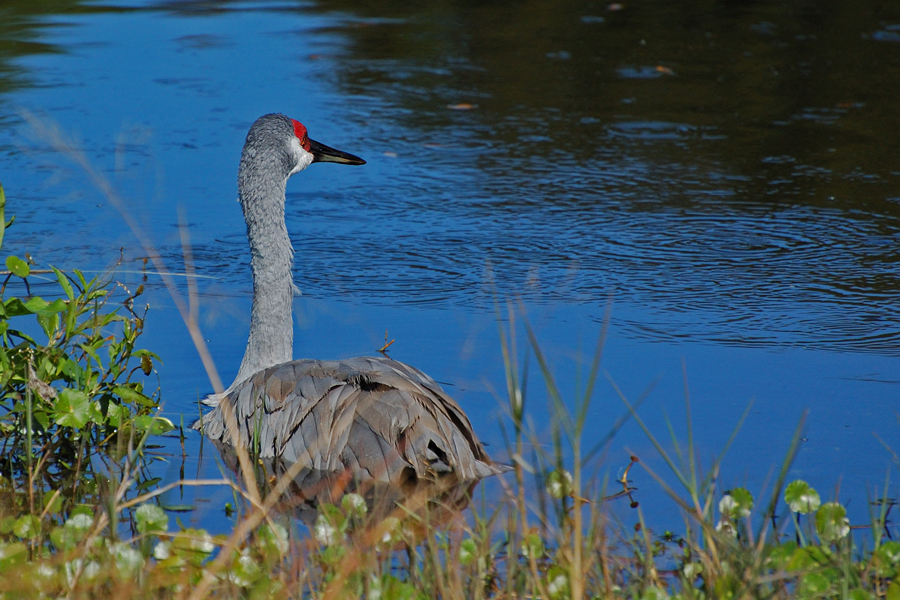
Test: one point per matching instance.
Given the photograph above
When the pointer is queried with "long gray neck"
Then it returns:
(272, 257)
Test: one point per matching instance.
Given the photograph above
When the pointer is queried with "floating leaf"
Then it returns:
(17, 266)
(12, 554)
(832, 522)
(72, 409)
(128, 559)
(801, 497)
(27, 527)
(244, 572)
(150, 518)
(81, 520)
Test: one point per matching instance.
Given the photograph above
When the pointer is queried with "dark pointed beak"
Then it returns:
(322, 153)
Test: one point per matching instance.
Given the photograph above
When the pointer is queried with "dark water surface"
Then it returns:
(726, 174)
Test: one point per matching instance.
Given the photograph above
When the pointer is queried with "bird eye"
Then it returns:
(305, 141)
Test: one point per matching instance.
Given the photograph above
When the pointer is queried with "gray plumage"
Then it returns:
(379, 418)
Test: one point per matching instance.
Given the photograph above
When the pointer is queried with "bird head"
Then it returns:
(321, 152)
(277, 139)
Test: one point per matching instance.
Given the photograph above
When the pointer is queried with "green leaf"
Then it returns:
(886, 559)
(273, 540)
(42, 418)
(330, 525)
(802, 498)
(558, 586)
(832, 522)
(12, 554)
(743, 502)
(354, 505)
(27, 527)
(153, 424)
(533, 546)
(72, 409)
(17, 266)
(814, 584)
(116, 415)
(559, 484)
(49, 324)
(468, 551)
(150, 518)
(809, 557)
(130, 395)
(52, 502)
(91, 351)
(39, 306)
(7, 523)
(391, 588)
(128, 559)
(244, 571)
(64, 283)
(15, 308)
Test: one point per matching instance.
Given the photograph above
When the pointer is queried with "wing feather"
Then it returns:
(377, 417)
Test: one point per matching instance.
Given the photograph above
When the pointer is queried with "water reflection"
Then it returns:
(310, 490)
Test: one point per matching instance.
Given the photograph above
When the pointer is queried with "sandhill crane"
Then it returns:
(379, 418)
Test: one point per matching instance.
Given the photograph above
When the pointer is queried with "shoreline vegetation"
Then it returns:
(80, 516)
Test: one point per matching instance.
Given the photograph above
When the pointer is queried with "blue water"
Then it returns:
(743, 235)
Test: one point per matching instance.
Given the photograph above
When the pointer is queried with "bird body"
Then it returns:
(379, 418)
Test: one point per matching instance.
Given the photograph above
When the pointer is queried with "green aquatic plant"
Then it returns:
(72, 377)
(75, 398)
